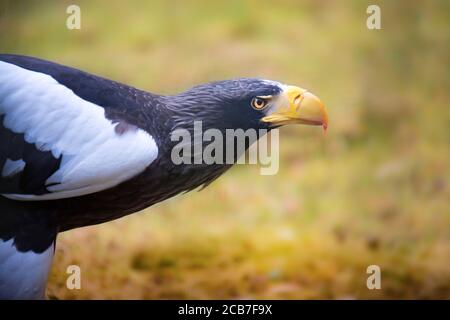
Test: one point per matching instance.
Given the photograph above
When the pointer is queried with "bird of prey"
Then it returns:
(77, 149)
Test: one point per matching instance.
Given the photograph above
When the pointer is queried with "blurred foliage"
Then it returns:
(374, 190)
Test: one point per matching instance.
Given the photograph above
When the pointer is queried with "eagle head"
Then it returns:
(247, 103)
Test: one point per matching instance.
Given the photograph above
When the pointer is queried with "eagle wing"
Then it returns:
(56, 140)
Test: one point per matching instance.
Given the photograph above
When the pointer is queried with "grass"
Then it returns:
(374, 190)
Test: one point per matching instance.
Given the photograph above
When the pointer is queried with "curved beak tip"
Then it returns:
(325, 119)
(311, 110)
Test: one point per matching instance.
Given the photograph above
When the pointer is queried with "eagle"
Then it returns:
(77, 149)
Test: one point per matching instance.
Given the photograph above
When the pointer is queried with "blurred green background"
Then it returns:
(374, 190)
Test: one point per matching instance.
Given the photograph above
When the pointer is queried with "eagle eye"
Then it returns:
(259, 103)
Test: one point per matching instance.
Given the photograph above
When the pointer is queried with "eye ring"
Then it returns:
(258, 103)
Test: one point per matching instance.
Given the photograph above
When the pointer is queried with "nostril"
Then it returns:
(297, 101)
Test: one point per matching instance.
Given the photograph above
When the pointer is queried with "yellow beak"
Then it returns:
(297, 105)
